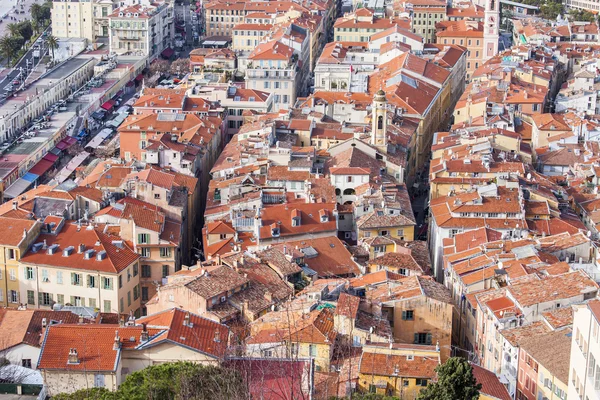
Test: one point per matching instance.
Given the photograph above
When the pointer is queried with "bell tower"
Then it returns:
(379, 123)
(491, 29)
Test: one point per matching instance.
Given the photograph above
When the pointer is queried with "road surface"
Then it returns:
(21, 69)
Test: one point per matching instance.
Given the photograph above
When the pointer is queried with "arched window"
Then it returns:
(380, 122)
(338, 192)
(349, 192)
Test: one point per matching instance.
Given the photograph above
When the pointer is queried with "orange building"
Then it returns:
(467, 33)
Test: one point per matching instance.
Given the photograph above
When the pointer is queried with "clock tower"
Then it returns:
(491, 29)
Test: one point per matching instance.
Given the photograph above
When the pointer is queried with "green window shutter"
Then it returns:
(404, 315)
(39, 298)
(416, 338)
(429, 336)
(72, 300)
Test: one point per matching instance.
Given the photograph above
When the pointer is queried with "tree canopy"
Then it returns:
(171, 381)
(455, 382)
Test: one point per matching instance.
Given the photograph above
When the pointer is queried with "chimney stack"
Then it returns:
(117, 344)
(44, 323)
(217, 336)
(73, 357)
(24, 233)
(144, 335)
(81, 248)
(81, 319)
(14, 204)
(186, 319)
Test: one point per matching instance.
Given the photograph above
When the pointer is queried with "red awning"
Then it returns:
(66, 142)
(51, 157)
(139, 78)
(108, 105)
(168, 52)
(41, 167)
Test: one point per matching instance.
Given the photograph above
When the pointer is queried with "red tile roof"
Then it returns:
(490, 384)
(116, 260)
(202, 334)
(94, 345)
(388, 364)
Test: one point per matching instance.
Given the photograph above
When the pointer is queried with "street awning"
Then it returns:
(41, 167)
(108, 105)
(51, 157)
(139, 78)
(30, 177)
(17, 188)
(168, 52)
(98, 114)
(66, 142)
(68, 169)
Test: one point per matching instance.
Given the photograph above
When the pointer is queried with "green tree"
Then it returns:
(37, 12)
(52, 43)
(551, 9)
(455, 382)
(25, 30)
(171, 381)
(180, 66)
(13, 29)
(10, 46)
(88, 394)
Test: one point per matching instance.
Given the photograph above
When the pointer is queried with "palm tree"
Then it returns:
(13, 29)
(7, 49)
(37, 11)
(52, 43)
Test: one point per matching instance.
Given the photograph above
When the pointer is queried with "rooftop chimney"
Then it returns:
(144, 335)
(186, 319)
(45, 246)
(117, 343)
(14, 205)
(24, 233)
(81, 248)
(44, 323)
(73, 357)
(217, 335)
(81, 319)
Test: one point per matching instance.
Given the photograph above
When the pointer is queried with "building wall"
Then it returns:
(21, 352)
(527, 381)
(73, 19)
(474, 53)
(90, 297)
(430, 316)
(404, 387)
(408, 232)
(585, 345)
(137, 360)
(548, 385)
(57, 382)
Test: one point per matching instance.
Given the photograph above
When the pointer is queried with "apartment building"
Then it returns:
(273, 67)
(362, 24)
(425, 14)
(141, 29)
(73, 19)
(81, 266)
(16, 237)
(155, 238)
(236, 100)
(584, 374)
(465, 33)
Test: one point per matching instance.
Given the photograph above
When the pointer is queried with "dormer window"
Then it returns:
(324, 217)
(296, 218)
(275, 232)
(120, 14)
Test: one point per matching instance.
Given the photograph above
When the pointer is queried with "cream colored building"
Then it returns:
(144, 29)
(16, 236)
(584, 373)
(81, 356)
(73, 19)
(80, 266)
